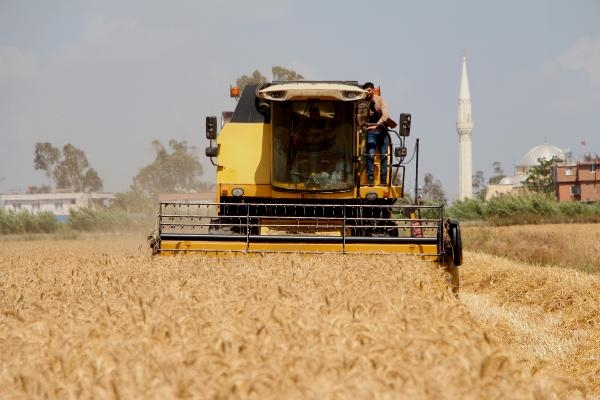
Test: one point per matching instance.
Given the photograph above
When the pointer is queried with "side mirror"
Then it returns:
(211, 128)
(211, 151)
(404, 129)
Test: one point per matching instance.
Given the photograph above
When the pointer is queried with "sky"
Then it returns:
(109, 77)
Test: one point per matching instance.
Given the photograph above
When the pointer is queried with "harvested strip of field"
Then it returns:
(551, 315)
(99, 318)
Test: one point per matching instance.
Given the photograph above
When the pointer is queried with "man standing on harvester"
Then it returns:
(377, 135)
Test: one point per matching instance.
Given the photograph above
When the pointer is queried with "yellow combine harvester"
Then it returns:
(289, 181)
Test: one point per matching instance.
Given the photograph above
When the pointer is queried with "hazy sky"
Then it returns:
(110, 76)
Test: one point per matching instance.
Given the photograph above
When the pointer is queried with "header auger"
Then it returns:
(290, 177)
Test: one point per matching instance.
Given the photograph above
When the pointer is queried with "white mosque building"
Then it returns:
(532, 157)
(521, 170)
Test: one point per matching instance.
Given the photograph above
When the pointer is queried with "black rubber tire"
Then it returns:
(455, 238)
(454, 256)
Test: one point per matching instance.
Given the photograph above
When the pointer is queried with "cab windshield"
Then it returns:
(313, 145)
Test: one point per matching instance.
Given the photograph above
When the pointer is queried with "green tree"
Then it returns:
(45, 157)
(92, 181)
(70, 171)
(255, 77)
(279, 74)
(69, 168)
(178, 171)
(498, 173)
(541, 176)
(432, 190)
(132, 202)
(283, 74)
(479, 185)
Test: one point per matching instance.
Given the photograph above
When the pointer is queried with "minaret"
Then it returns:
(464, 126)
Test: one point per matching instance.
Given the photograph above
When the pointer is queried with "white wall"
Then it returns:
(60, 204)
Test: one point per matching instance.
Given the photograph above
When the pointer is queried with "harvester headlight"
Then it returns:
(371, 196)
(237, 192)
(350, 94)
(277, 94)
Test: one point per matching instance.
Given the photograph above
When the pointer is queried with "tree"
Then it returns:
(46, 157)
(178, 171)
(69, 168)
(69, 172)
(244, 80)
(541, 176)
(590, 157)
(432, 190)
(498, 173)
(92, 181)
(132, 202)
(283, 74)
(479, 185)
(279, 74)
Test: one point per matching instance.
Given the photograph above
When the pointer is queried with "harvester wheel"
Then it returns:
(456, 241)
(455, 257)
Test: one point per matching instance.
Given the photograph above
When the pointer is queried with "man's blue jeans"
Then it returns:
(378, 141)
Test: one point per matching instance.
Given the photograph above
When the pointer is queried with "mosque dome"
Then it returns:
(546, 151)
(507, 180)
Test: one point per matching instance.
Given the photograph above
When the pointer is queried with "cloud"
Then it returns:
(583, 55)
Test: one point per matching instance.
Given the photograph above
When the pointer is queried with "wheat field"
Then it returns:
(101, 318)
(549, 311)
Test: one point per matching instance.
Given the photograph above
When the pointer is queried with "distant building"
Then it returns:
(578, 181)
(60, 204)
(506, 185)
(530, 159)
(574, 180)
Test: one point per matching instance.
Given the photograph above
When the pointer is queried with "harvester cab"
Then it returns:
(291, 177)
